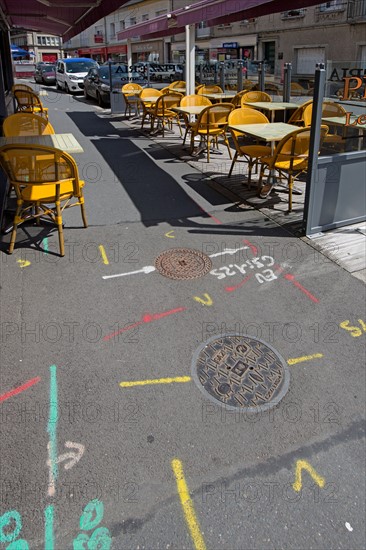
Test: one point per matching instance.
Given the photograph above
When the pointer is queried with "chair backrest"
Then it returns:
(194, 100)
(297, 116)
(39, 165)
(329, 109)
(214, 116)
(178, 84)
(297, 89)
(26, 124)
(253, 96)
(244, 115)
(21, 87)
(131, 88)
(150, 92)
(214, 89)
(295, 147)
(166, 102)
(27, 100)
(236, 101)
(165, 90)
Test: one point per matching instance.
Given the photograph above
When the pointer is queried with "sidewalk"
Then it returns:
(345, 246)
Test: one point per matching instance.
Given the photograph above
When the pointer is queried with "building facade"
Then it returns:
(41, 46)
(334, 31)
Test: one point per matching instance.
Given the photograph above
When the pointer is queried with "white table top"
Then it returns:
(65, 142)
(190, 109)
(341, 121)
(272, 131)
(273, 106)
(225, 95)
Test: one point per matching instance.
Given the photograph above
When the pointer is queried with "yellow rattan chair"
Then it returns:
(329, 109)
(177, 84)
(297, 116)
(236, 101)
(165, 90)
(130, 94)
(290, 158)
(26, 124)
(29, 102)
(146, 105)
(162, 112)
(250, 153)
(211, 123)
(193, 100)
(254, 96)
(21, 87)
(212, 89)
(46, 181)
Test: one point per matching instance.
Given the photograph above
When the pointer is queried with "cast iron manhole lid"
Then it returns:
(240, 372)
(183, 263)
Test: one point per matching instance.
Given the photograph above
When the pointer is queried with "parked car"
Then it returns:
(97, 81)
(45, 74)
(70, 73)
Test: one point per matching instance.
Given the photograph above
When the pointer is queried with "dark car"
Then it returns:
(45, 74)
(97, 81)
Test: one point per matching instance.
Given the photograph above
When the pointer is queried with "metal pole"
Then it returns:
(110, 82)
(287, 82)
(261, 76)
(201, 73)
(240, 75)
(222, 76)
(148, 74)
(190, 59)
(314, 144)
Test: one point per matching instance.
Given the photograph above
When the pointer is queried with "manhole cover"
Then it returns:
(183, 263)
(240, 372)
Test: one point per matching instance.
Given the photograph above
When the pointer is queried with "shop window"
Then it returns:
(52, 39)
(112, 30)
(57, 41)
(39, 40)
(43, 41)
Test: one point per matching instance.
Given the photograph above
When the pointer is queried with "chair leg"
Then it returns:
(232, 164)
(208, 148)
(83, 213)
(228, 146)
(60, 228)
(290, 187)
(16, 222)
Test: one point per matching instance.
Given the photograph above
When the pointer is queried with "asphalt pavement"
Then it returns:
(108, 437)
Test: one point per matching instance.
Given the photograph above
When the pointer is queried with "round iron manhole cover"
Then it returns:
(240, 372)
(183, 263)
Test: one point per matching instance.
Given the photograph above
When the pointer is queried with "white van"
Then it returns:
(70, 73)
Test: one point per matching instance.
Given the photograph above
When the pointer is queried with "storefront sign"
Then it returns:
(359, 120)
(353, 83)
(231, 45)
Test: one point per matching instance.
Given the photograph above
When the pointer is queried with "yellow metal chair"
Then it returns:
(162, 111)
(146, 105)
(29, 102)
(250, 153)
(177, 84)
(329, 109)
(130, 94)
(253, 96)
(209, 89)
(193, 100)
(26, 124)
(211, 123)
(289, 160)
(46, 181)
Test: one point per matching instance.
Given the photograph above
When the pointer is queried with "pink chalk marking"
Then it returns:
(124, 329)
(147, 318)
(19, 389)
(292, 279)
(216, 220)
(253, 248)
(232, 288)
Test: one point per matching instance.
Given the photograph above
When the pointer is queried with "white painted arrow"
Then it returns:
(146, 269)
(73, 456)
(228, 251)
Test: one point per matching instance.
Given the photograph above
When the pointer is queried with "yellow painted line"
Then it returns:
(155, 381)
(103, 254)
(296, 360)
(187, 505)
(23, 263)
(303, 465)
(169, 235)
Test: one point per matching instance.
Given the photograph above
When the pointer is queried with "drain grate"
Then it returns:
(240, 372)
(183, 263)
